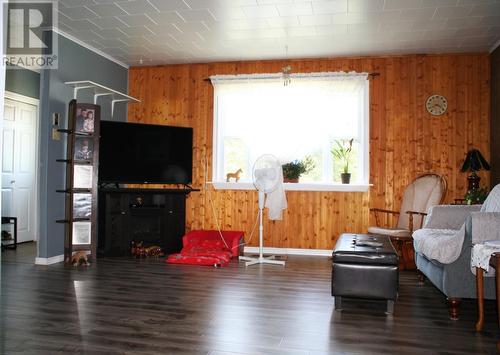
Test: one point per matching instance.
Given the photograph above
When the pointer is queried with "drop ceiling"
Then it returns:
(151, 32)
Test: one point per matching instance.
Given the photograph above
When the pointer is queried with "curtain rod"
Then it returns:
(369, 74)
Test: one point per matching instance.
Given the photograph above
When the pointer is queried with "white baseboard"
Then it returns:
(290, 251)
(49, 261)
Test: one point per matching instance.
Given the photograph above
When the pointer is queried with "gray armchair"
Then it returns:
(443, 247)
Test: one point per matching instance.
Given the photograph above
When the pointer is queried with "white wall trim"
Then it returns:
(290, 251)
(495, 46)
(89, 47)
(21, 98)
(49, 261)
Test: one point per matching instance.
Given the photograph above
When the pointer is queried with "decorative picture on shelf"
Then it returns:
(82, 176)
(82, 205)
(85, 119)
(83, 148)
(81, 233)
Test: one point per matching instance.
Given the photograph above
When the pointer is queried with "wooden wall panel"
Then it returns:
(405, 140)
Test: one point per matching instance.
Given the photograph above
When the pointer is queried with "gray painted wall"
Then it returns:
(75, 63)
(24, 82)
(495, 117)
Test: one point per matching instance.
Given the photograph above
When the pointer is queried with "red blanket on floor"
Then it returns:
(208, 248)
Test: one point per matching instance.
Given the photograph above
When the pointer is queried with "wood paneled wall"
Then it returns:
(405, 140)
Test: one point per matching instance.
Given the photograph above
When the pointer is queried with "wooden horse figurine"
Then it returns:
(235, 175)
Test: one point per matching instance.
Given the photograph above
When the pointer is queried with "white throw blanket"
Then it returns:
(443, 245)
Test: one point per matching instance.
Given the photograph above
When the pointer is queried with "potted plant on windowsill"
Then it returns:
(293, 170)
(342, 150)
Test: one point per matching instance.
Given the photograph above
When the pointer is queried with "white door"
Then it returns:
(18, 167)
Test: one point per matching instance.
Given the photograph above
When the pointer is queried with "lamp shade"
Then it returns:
(474, 161)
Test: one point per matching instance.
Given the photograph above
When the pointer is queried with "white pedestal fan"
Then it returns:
(267, 176)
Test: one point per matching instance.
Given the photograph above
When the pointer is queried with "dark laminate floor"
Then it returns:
(128, 306)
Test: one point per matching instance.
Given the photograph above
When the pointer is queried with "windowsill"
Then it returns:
(296, 187)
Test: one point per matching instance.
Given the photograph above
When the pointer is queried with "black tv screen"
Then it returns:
(145, 154)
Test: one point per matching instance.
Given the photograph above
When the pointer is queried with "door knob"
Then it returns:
(12, 181)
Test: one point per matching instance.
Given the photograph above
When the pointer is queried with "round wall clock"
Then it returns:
(436, 105)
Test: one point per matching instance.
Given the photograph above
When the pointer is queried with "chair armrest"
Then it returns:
(485, 226)
(449, 216)
(410, 219)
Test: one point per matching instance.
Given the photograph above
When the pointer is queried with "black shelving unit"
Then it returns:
(82, 164)
(10, 243)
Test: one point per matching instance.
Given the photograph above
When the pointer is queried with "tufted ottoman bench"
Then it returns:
(364, 266)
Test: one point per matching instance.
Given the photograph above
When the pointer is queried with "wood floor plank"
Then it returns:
(130, 306)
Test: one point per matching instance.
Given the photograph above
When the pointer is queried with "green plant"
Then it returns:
(476, 196)
(342, 150)
(294, 169)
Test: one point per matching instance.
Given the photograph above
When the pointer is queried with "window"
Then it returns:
(257, 114)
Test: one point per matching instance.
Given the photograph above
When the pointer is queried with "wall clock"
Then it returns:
(436, 105)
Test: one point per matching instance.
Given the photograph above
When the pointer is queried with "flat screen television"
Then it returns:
(145, 154)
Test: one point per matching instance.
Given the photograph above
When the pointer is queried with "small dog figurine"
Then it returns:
(235, 175)
(80, 256)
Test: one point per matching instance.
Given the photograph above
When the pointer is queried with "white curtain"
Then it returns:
(288, 121)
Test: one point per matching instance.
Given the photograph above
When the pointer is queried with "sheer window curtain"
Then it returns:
(257, 114)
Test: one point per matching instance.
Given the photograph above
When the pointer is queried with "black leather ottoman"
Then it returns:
(365, 266)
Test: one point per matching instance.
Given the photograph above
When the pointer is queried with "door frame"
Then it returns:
(34, 102)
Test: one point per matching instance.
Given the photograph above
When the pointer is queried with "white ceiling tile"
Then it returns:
(402, 4)
(485, 9)
(316, 20)
(441, 34)
(137, 31)
(245, 24)
(282, 21)
(364, 28)
(104, 10)
(301, 31)
(110, 43)
(77, 13)
(82, 25)
(452, 11)
(429, 25)
(197, 15)
(110, 33)
(490, 20)
(169, 5)
(260, 11)
(134, 7)
(136, 20)
(227, 13)
(332, 30)
(473, 32)
(75, 3)
(365, 5)
(436, 3)
(494, 30)
(417, 14)
(209, 30)
(303, 8)
(464, 22)
(108, 22)
(329, 7)
(166, 17)
(165, 29)
(349, 18)
(395, 26)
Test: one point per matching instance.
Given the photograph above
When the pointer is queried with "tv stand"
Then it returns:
(154, 216)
